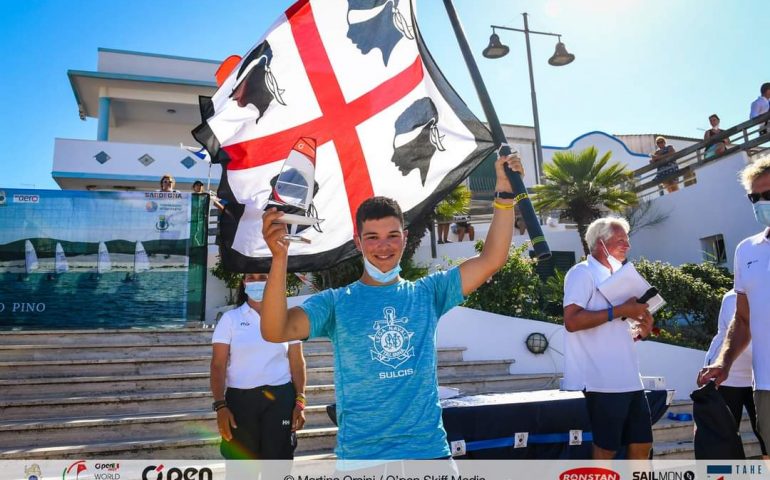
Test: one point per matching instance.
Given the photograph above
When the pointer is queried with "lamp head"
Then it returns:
(495, 49)
(537, 343)
(561, 56)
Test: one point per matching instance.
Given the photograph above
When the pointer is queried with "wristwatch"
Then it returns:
(505, 195)
(218, 404)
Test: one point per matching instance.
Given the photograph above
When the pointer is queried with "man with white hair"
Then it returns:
(752, 312)
(600, 357)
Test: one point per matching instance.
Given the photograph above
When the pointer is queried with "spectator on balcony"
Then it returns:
(715, 148)
(761, 105)
(197, 187)
(167, 183)
(666, 168)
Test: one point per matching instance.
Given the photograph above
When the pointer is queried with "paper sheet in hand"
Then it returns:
(627, 283)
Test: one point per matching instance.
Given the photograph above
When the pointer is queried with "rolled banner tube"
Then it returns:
(539, 245)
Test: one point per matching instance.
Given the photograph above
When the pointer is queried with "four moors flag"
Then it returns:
(353, 80)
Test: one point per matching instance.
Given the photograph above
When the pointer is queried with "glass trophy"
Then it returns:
(294, 188)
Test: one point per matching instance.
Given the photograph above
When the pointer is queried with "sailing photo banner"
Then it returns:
(78, 259)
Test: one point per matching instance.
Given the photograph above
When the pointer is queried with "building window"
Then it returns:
(713, 249)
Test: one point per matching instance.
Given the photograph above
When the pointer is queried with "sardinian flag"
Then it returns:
(355, 77)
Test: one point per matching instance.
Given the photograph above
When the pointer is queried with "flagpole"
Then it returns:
(539, 245)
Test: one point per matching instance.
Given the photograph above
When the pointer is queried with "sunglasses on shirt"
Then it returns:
(755, 197)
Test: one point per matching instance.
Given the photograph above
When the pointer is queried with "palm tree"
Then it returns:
(582, 187)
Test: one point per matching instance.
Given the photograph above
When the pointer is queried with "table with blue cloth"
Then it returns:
(548, 424)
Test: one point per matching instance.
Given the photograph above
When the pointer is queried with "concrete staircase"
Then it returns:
(145, 394)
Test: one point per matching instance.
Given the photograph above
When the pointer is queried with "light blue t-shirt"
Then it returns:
(385, 364)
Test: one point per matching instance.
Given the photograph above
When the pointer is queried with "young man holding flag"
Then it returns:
(383, 328)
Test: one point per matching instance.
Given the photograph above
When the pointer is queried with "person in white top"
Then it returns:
(762, 103)
(737, 389)
(600, 356)
(258, 386)
(752, 312)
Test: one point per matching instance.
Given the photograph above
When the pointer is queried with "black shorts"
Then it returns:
(619, 419)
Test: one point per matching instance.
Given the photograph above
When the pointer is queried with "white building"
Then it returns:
(147, 104)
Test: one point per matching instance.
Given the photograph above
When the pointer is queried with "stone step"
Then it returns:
(667, 430)
(110, 350)
(154, 365)
(502, 383)
(114, 428)
(446, 369)
(127, 404)
(86, 338)
(684, 449)
(191, 447)
(135, 401)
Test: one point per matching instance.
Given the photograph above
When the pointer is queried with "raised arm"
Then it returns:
(278, 323)
(475, 271)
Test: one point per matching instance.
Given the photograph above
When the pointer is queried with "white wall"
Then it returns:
(76, 157)
(489, 336)
(153, 65)
(559, 239)
(716, 204)
(603, 143)
(153, 133)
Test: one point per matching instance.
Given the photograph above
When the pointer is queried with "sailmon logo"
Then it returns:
(24, 198)
(686, 475)
(589, 473)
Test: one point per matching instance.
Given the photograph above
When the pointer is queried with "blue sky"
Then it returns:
(642, 66)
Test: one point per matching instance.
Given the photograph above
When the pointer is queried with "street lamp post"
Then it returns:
(561, 57)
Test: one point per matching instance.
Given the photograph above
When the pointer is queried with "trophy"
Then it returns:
(294, 188)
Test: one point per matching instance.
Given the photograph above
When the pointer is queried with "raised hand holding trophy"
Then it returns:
(294, 188)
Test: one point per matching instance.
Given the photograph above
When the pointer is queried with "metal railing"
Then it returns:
(749, 136)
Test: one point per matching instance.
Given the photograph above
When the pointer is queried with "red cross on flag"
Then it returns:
(353, 76)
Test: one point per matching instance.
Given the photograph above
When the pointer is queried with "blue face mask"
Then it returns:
(378, 275)
(762, 212)
(255, 290)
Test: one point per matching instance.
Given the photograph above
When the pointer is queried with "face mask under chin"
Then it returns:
(615, 264)
(380, 276)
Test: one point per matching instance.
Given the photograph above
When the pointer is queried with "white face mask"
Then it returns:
(379, 275)
(615, 264)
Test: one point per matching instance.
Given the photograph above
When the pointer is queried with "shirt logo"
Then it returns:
(748, 264)
(391, 342)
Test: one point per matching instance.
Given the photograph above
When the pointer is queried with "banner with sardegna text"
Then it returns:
(80, 259)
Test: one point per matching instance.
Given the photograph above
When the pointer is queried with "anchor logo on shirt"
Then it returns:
(391, 342)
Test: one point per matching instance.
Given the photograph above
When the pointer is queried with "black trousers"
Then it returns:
(263, 415)
(738, 397)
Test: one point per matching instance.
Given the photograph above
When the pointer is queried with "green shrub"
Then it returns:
(513, 291)
(693, 295)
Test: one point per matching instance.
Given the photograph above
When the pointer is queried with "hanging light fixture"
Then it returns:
(495, 49)
(561, 56)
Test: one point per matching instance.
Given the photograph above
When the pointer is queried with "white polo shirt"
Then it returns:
(752, 277)
(603, 358)
(253, 361)
(741, 372)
